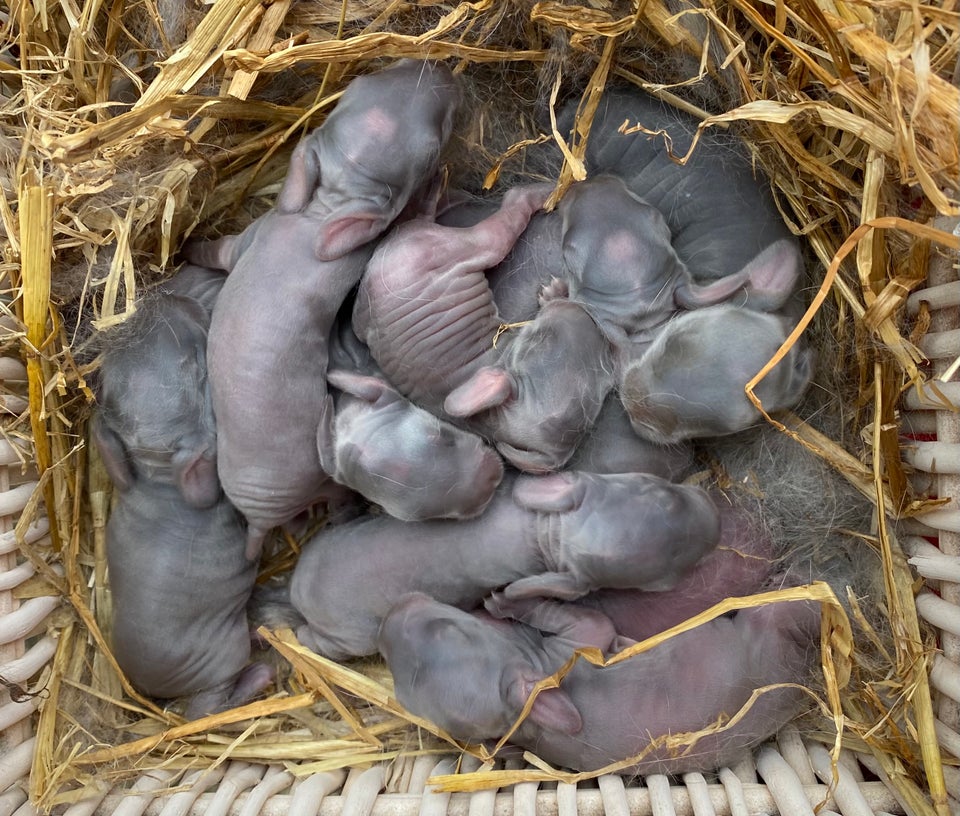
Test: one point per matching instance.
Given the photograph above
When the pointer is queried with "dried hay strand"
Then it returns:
(110, 163)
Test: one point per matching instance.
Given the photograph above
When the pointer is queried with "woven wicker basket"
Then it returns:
(789, 775)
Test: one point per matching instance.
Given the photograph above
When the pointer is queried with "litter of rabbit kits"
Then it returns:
(130, 129)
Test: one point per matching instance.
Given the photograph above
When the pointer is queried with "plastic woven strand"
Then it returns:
(589, 802)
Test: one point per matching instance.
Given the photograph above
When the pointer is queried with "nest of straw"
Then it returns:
(128, 127)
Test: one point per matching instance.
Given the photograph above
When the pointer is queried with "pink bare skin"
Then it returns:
(425, 308)
(741, 564)
(472, 678)
(561, 535)
(291, 270)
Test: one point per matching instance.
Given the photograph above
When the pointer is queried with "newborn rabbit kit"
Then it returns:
(480, 432)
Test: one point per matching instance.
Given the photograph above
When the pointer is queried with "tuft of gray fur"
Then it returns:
(807, 507)
(270, 606)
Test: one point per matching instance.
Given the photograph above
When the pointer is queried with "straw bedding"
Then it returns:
(129, 126)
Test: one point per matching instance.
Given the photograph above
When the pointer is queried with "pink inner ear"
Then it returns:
(556, 493)
(197, 480)
(488, 388)
(775, 270)
(552, 709)
(302, 179)
(361, 386)
(695, 296)
(339, 235)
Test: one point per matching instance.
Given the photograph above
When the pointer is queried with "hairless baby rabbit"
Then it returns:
(543, 391)
(413, 464)
(375, 152)
(722, 217)
(180, 583)
(690, 381)
(741, 564)
(716, 211)
(619, 260)
(535, 259)
(424, 307)
(175, 546)
(561, 535)
(291, 270)
(154, 404)
(782, 509)
(472, 676)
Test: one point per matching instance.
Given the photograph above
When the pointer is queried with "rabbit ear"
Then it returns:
(195, 474)
(195, 461)
(692, 295)
(221, 253)
(555, 493)
(552, 709)
(362, 386)
(350, 227)
(772, 275)
(561, 585)
(490, 387)
(303, 177)
(114, 454)
(766, 281)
